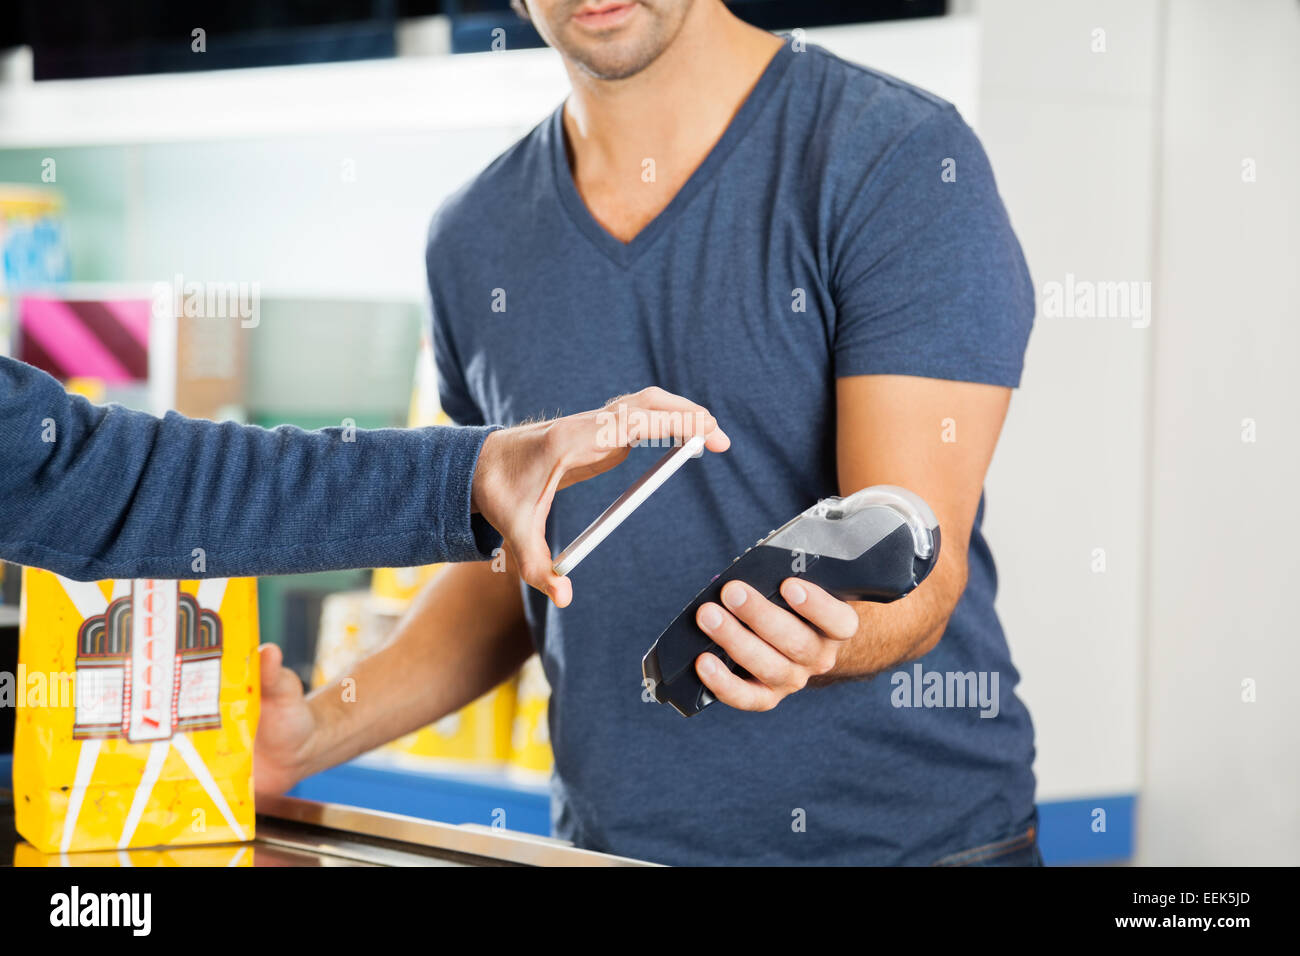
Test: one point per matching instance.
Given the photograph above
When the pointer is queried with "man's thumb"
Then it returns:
(276, 678)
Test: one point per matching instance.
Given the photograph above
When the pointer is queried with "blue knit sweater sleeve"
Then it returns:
(94, 492)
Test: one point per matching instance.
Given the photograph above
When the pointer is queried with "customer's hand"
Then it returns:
(521, 468)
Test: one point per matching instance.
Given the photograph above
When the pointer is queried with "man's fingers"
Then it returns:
(833, 617)
(269, 664)
(276, 678)
(732, 690)
(744, 647)
(784, 631)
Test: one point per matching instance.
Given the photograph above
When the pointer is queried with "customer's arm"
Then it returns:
(464, 635)
(96, 492)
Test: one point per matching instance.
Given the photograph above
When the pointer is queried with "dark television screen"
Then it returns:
(85, 38)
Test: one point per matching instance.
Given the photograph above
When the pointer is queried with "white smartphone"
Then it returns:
(627, 502)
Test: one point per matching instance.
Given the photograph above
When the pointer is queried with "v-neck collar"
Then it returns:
(625, 253)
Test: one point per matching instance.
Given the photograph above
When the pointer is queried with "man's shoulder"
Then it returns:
(861, 111)
(852, 83)
(496, 194)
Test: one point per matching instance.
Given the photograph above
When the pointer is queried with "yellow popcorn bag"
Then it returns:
(232, 855)
(138, 704)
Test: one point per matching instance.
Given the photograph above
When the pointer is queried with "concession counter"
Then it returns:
(297, 832)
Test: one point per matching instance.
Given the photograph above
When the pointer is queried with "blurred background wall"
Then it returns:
(1140, 505)
(1224, 518)
(1172, 448)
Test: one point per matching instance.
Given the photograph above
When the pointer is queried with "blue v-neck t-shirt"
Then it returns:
(844, 224)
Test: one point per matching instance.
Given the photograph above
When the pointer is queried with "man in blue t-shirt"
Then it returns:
(818, 253)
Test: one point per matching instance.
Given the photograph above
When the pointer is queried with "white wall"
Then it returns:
(342, 214)
(1127, 165)
(1222, 778)
(1070, 134)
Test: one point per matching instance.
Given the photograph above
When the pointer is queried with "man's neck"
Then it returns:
(672, 112)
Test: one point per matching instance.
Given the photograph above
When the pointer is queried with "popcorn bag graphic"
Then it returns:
(138, 705)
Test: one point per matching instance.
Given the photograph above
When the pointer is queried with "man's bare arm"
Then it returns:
(464, 634)
(931, 436)
(936, 438)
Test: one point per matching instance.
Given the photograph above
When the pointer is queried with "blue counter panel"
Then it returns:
(447, 798)
(1069, 830)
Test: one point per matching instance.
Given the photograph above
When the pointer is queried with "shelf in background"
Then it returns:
(511, 89)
